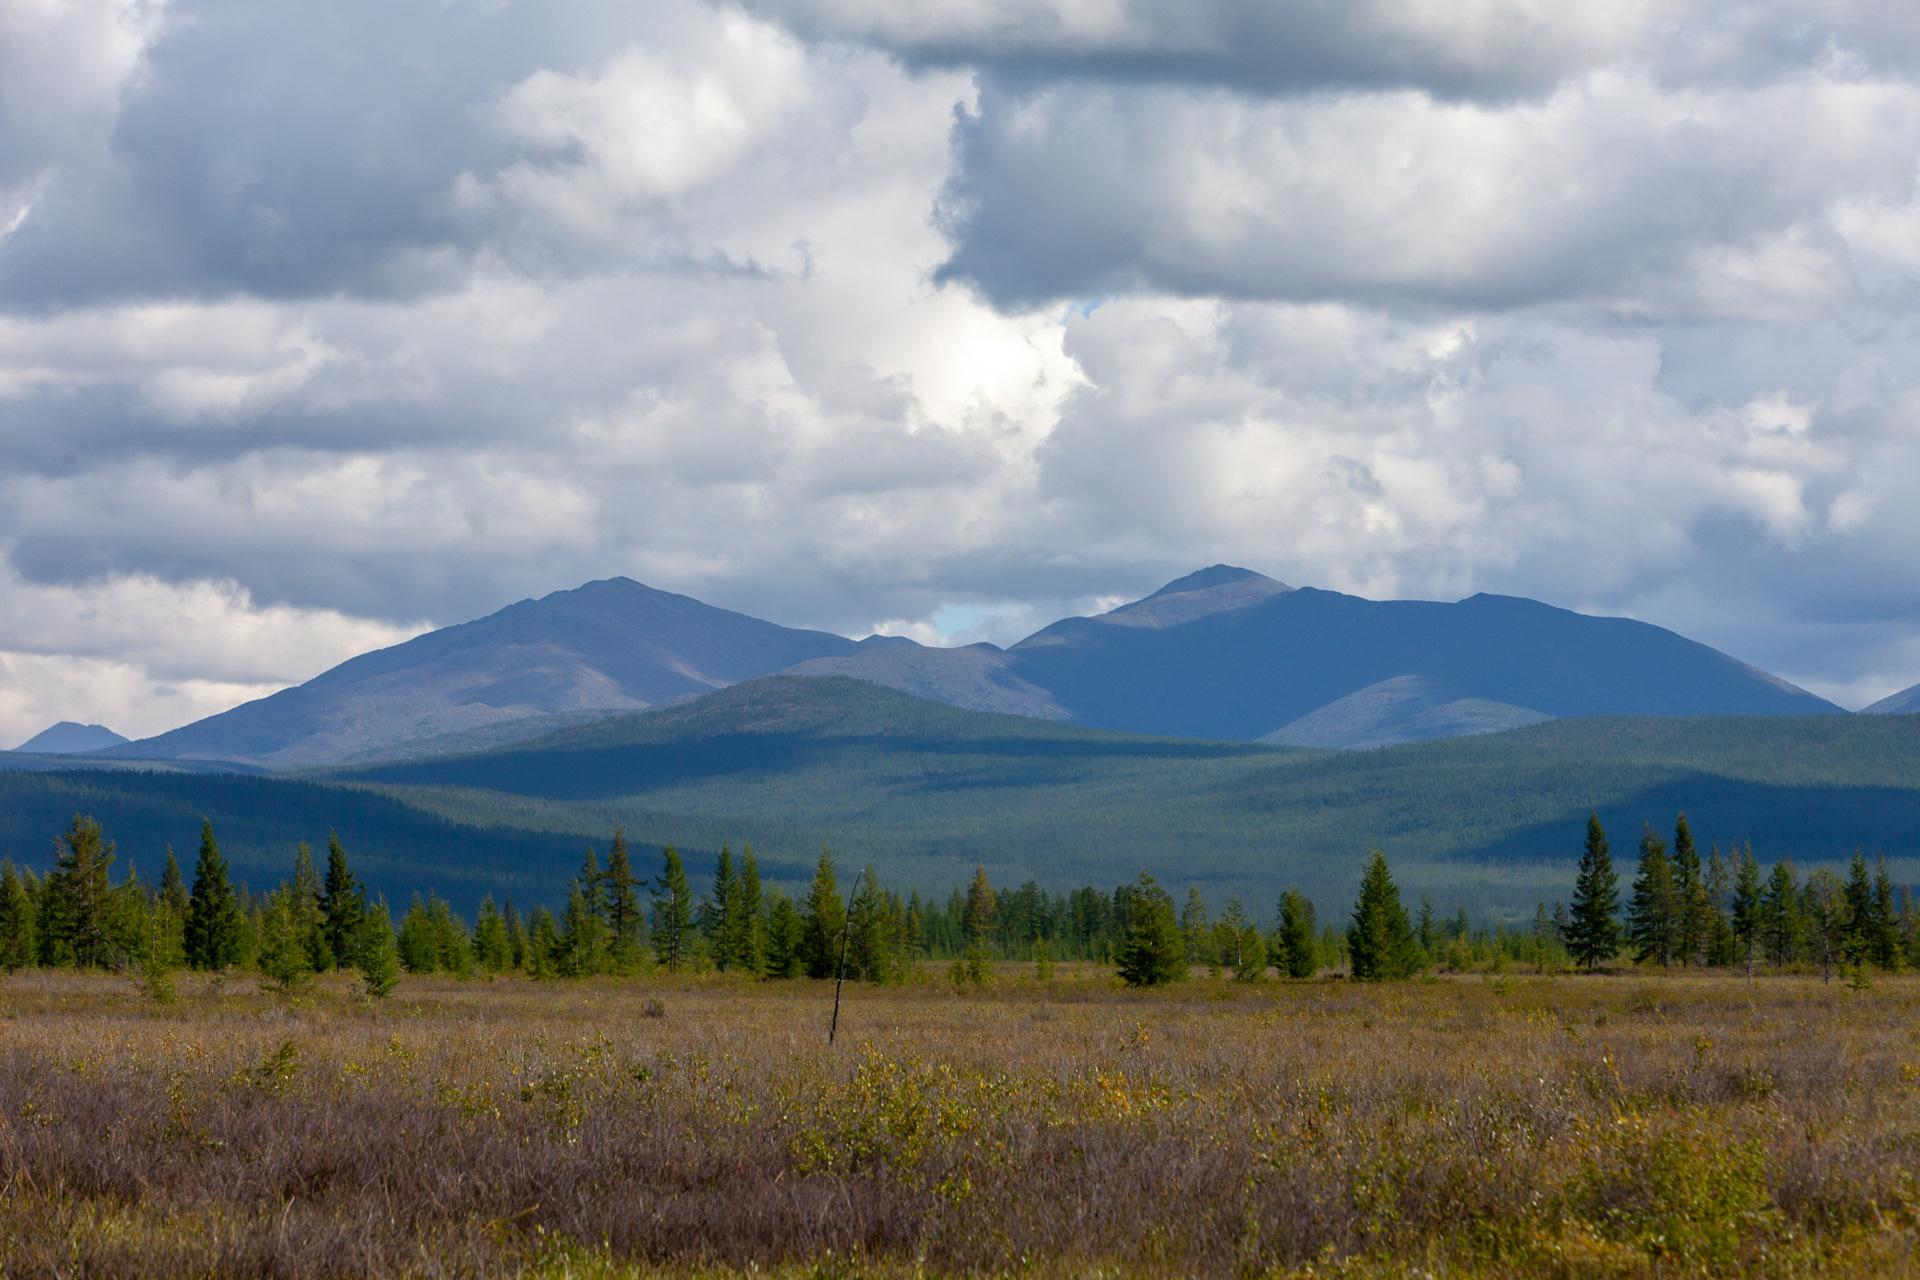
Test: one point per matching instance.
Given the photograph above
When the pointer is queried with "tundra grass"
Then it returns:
(1616, 1125)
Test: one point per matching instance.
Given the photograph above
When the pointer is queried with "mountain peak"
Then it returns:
(69, 737)
(1211, 590)
(1218, 575)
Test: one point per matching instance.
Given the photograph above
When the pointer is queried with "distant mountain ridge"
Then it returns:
(1905, 702)
(1227, 653)
(612, 645)
(1224, 653)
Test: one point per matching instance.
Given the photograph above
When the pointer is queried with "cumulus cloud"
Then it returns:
(322, 323)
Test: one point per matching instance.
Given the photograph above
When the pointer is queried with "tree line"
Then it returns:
(1683, 910)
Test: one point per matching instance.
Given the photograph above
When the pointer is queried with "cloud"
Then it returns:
(1612, 192)
(320, 323)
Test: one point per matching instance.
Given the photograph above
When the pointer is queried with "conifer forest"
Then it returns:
(1691, 1062)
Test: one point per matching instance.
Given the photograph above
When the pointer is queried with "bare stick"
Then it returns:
(846, 939)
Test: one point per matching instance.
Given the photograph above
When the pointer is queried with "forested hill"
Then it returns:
(929, 791)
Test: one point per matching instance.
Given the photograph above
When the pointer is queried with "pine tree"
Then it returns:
(173, 888)
(747, 945)
(785, 935)
(516, 936)
(16, 919)
(308, 914)
(1861, 925)
(626, 923)
(1194, 928)
(1825, 919)
(214, 925)
(490, 945)
(1693, 918)
(1152, 950)
(418, 947)
(1426, 929)
(81, 894)
(824, 918)
(343, 904)
(714, 920)
(283, 956)
(1886, 944)
(672, 911)
(1780, 914)
(1299, 954)
(1593, 932)
(543, 945)
(1652, 918)
(977, 923)
(1746, 908)
(868, 932)
(583, 935)
(1380, 946)
(374, 953)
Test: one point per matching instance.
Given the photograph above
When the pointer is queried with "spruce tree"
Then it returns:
(283, 956)
(173, 888)
(1380, 946)
(1780, 914)
(626, 923)
(672, 911)
(1194, 928)
(1652, 917)
(823, 918)
(543, 945)
(16, 919)
(1693, 919)
(490, 946)
(1861, 926)
(1825, 919)
(868, 932)
(1593, 932)
(1887, 945)
(714, 920)
(81, 894)
(374, 953)
(309, 912)
(516, 936)
(1299, 952)
(214, 926)
(343, 904)
(1152, 950)
(785, 934)
(977, 922)
(418, 946)
(746, 917)
(1747, 893)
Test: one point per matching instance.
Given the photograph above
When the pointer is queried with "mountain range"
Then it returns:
(1224, 654)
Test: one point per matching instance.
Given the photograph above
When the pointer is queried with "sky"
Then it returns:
(324, 322)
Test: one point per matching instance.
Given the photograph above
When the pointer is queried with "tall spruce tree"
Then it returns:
(173, 887)
(626, 924)
(1593, 932)
(1887, 946)
(672, 911)
(1780, 914)
(309, 912)
(1693, 924)
(82, 894)
(747, 943)
(1380, 945)
(343, 905)
(1860, 924)
(785, 934)
(1299, 951)
(824, 918)
(714, 919)
(1652, 916)
(374, 952)
(1152, 949)
(214, 924)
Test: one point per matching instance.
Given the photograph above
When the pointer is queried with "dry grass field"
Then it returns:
(1611, 1126)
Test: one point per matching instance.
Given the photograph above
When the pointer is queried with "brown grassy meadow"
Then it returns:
(1609, 1126)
